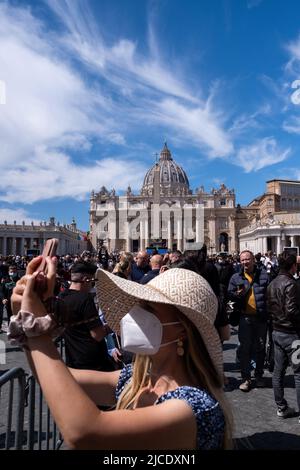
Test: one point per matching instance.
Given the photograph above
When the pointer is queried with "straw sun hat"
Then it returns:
(182, 288)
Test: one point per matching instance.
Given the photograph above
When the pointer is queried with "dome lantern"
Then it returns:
(165, 154)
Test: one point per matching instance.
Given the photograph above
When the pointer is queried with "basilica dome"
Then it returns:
(172, 178)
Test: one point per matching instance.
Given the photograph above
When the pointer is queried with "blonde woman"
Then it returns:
(122, 268)
(172, 397)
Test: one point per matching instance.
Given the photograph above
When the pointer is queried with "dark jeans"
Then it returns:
(252, 338)
(1, 313)
(8, 311)
(285, 354)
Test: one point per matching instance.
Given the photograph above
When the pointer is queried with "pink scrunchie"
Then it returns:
(25, 325)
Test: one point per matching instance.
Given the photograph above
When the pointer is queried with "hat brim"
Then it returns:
(116, 296)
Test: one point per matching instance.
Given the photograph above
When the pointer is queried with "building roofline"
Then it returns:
(284, 181)
(258, 199)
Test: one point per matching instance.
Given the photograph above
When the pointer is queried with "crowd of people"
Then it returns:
(143, 338)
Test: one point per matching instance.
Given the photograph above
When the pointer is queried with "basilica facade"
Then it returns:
(166, 213)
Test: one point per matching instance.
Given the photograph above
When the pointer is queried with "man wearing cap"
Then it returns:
(84, 339)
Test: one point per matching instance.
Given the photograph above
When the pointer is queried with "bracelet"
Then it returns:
(26, 325)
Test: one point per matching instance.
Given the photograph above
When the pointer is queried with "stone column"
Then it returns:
(265, 245)
(261, 245)
(179, 235)
(283, 240)
(22, 246)
(4, 246)
(212, 233)
(292, 240)
(278, 245)
(14, 246)
(198, 231)
(128, 239)
(170, 238)
(146, 226)
(142, 235)
(232, 234)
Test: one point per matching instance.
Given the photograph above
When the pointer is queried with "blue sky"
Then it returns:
(90, 90)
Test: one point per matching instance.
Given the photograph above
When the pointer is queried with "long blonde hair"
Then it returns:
(200, 369)
(122, 267)
(140, 379)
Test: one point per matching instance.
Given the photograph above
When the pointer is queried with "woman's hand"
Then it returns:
(163, 269)
(116, 355)
(31, 302)
(32, 267)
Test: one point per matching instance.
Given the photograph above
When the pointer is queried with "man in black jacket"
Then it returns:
(84, 337)
(283, 295)
(248, 289)
(155, 264)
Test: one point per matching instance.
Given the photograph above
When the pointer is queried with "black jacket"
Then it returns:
(149, 276)
(283, 295)
(260, 283)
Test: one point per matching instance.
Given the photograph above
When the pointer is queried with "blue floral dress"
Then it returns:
(208, 413)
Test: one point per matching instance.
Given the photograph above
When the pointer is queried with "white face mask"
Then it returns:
(141, 332)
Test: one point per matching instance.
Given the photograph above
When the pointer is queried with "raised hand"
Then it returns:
(32, 267)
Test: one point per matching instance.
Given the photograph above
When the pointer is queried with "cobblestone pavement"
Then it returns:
(256, 423)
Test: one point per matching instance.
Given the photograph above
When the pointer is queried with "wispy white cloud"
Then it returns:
(64, 91)
(244, 122)
(51, 105)
(195, 124)
(218, 181)
(292, 125)
(154, 89)
(293, 49)
(296, 174)
(50, 175)
(18, 215)
(291, 88)
(47, 101)
(262, 153)
(253, 3)
(120, 62)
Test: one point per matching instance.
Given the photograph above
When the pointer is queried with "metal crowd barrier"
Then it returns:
(13, 412)
(25, 418)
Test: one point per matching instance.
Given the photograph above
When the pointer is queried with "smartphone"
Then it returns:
(50, 249)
